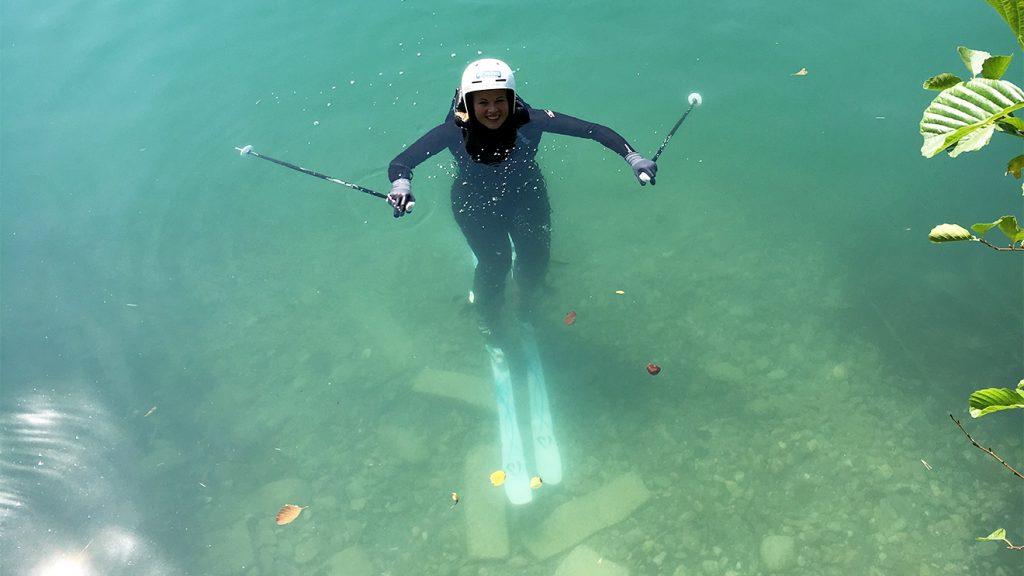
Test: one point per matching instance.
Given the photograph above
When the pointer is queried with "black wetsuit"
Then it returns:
(505, 198)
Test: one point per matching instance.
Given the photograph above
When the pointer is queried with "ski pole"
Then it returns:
(694, 99)
(247, 149)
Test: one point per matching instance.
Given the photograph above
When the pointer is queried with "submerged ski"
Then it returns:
(513, 462)
(545, 448)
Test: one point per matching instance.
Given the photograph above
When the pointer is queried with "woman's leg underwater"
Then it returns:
(531, 234)
(489, 241)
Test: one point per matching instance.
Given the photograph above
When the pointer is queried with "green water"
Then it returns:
(191, 339)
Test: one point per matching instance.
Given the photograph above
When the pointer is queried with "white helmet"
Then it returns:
(486, 74)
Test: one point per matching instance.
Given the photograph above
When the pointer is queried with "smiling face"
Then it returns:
(490, 107)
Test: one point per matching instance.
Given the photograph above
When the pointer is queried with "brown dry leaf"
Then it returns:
(800, 72)
(288, 513)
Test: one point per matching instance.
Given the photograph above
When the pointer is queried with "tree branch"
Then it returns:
(986, 450)
(1011, 248)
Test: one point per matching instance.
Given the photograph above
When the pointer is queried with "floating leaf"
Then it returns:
(941, 82)
(800, 72)
(498, 477)
(949, 233)
(288, 513)
(536, 482)
(995, 399)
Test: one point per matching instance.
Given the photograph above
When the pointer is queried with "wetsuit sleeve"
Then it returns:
(429, 144)
(559, 123)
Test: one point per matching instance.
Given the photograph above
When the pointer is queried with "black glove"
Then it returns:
(401, 198)
(643, 169)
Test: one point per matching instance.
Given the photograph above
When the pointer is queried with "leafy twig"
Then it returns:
(1000, 536)
(986, 450)
(1011, 248)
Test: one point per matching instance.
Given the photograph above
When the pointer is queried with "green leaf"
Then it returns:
(999, 535)
(973, 59)
(1012, 12)
(1007, 225)
(973, 141)
(993, 68)
(984, 227)
(964, 108)
(1014, 166)
(949, 233)
(993, 400)
(1011, 125)
(941, 82)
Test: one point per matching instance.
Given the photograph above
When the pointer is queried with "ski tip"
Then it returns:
(518, 496)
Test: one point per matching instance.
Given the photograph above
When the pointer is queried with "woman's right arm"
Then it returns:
(428, 145)
(400, 171)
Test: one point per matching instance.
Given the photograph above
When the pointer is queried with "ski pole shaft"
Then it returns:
(247, 150)
(694, 99)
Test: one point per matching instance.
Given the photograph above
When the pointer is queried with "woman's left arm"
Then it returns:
(558, 123)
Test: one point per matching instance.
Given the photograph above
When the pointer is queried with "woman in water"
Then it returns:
(499, 197)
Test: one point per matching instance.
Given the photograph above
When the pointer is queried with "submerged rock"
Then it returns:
(577, 519)
(350, 562)
(778, 553)
(584, 561)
